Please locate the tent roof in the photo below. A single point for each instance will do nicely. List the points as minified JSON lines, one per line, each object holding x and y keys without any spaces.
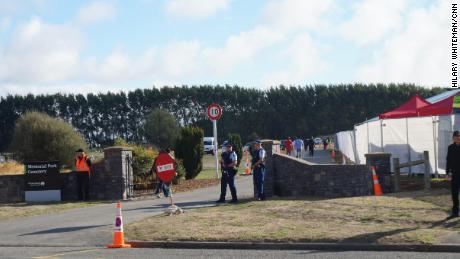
{"x":442,"y":96}
{"x":439,"y":108}
{"x":407,"y":109}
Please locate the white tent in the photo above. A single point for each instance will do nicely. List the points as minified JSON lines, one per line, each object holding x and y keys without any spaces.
{"x":405,"y":138}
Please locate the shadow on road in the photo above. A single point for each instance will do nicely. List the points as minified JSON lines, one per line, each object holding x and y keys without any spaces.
{"x":63,"y":230}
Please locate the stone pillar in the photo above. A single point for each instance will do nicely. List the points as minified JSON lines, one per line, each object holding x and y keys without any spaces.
{"x":383,"y":169}
{"x":271,"y":147}
{"x":113,"y":182}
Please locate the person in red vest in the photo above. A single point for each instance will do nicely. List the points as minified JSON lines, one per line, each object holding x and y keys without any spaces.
{"x":289,"y":146}
{"x":83,"y":169}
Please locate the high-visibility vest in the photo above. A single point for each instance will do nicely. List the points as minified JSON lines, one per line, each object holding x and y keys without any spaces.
{"x":81,"y":165}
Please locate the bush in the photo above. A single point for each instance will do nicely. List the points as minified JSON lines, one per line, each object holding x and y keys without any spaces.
{"x":142,"y":160}
{"x":235,"y":140}
{"x":39,"y":137}
{"x":180,"y":170}
{"x":189,"y":148}
{"x":161,"y":129}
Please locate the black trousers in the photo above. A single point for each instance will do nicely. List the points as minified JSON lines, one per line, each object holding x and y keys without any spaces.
{"x":228,"y":178}
{"x":455,"y":186}
{"x":83,"y":186}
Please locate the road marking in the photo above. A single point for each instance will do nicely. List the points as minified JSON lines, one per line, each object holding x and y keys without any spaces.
{"x":67,"y":253}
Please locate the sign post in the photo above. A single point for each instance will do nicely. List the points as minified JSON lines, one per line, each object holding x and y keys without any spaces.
{"x":214,"y":112}
{"x":42,"y":182}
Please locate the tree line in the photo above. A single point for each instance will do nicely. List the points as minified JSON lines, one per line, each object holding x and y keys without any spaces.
{"x":273,"y":113}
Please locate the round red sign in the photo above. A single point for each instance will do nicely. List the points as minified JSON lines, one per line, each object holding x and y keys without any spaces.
{"x":164,"y":165}
{"x":214,"y":111}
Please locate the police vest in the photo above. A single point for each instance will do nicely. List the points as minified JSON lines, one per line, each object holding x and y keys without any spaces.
{"x":81,"y":164}
{"x":226,"y":157}
{"x":256,"y":157}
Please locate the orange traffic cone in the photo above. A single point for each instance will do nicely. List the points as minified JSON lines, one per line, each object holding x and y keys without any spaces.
{"x":247,"y":169}
{"x":118,"y":236}
{"x":375,"y":179}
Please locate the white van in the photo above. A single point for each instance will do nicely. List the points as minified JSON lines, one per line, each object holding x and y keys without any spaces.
{"x":208,"y":145}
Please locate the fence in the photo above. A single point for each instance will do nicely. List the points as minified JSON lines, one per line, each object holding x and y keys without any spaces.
{"x":404,"y":138}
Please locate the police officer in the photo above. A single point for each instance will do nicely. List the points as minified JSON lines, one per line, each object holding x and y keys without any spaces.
{"x":453,"y":171}
{"x":83,"y":169}
{"x":258,"y":167}
{"x":228,"y":165}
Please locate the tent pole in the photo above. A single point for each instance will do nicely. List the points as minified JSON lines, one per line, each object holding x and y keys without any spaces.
{"x":368,"y":142}
{"x":381,"y":135}
{"x":435,"y":147}
{"x":408,"y":144}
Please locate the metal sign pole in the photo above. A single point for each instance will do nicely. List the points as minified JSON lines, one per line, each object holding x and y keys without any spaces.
{"x":171,"y":193}
{"x":216,"y":156}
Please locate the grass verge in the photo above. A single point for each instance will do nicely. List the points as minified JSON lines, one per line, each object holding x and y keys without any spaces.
{"x":19,"y":210}
{"x":408,"y":218}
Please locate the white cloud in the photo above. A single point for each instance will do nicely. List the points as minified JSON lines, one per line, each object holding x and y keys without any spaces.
{"x":373,"y":20}
{"x":419,"y":54}
{"x":241,"y":48}
{"x":75,"y":88}
{"x":195,"y":9}
{"x":302,"y":58}
{"x":293,"y":15}
{"x":96,"y":12}
{"x":41,"y":52}
{"x":5,"y":23}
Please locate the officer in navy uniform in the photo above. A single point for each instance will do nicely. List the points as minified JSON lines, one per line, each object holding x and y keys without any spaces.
{"x":258,"y":167}
{"x":453,"y":171}
{"x":228,"y":165}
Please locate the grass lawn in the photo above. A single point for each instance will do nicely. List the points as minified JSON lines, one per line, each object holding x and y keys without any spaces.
{"x":415,"y":218}
{"x":16,"y":210}
{"x":209,"y":172}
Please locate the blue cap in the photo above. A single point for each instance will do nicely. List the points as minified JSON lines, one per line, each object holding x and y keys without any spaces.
{"x":258,"y":142}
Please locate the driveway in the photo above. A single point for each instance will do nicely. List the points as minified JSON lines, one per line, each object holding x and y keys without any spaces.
{"x":92,"y":226}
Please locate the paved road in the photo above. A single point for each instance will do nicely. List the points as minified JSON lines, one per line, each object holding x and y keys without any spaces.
{"x":92,"y":226}
{"x":42,"y":253}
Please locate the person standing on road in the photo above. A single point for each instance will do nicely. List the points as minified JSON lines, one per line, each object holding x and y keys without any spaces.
{"x":161,"y":186}
{"x":258,"y":167}
{"x":298,"y":145}
{"x":311,"y":146}
{"x":453,"y":171}
{"x":325,"y":142}
{"x":83,"y":168}
{"x":289,"y":146}
{"x":228,"y":164}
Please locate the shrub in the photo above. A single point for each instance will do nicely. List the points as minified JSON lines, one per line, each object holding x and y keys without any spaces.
{"x":161,"y":129}
{"x":235,"y":140}
{"x":189,"y":148}
{"x":180,"y":170}
{"x":40,"y":137}
{"x":142,"y":160}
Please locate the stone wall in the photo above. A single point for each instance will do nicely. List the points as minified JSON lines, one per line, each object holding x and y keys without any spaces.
{"x":110,"y":179}
{"x":382,"y":164}
{"x":12,"y":188}
{"x":289,"y":176}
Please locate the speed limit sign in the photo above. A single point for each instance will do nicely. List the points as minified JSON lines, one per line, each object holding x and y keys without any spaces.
{"x":214,"y":112}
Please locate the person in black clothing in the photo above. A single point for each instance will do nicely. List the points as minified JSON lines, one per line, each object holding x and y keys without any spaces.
{"x":453,"y":171}
{"x":228,"y":165}
{"x":311,"y":146}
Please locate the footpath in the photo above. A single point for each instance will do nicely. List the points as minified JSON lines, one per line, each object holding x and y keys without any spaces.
{"x":321,"y":157}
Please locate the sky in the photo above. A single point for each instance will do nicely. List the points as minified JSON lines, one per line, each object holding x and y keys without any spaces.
{"x":49,"y":46}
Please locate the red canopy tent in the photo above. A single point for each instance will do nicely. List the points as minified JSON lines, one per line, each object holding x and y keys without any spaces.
{"x":408,"y":109}
{"x":440,"y":108}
